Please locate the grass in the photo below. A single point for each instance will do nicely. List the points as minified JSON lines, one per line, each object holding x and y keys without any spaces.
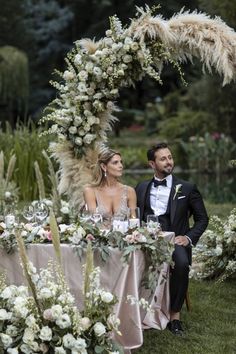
{"x":210,"y":327}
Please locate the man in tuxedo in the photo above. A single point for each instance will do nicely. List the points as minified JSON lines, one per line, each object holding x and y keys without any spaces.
{"x":174,"y":201}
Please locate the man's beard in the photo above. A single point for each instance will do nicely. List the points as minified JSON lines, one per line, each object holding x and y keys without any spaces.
{"x":166,"y":172}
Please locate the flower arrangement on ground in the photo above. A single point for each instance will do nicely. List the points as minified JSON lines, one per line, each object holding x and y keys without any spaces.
{"x":48,"y":320}
{"x":215,"y":254}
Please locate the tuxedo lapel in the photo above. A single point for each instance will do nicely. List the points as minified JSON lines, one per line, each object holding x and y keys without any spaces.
{"x":173,"y":201}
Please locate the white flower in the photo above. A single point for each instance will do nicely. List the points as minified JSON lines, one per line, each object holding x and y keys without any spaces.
{"x":77,"y":235}
{"x":68,"y":75}
{"x":45,"y":293}
{"x":108,"y":33}
{"x":97,"y":71}
{"x":65,"y":210}
{"x":177,"y":190}
{"x":85,"y":323}
{"x":77,"y":121}
{"x":47,"y":314}
{"x":8,"y":292}
{"x":30,"y":321}
{"x":59,"y":350}
{"x":7,"y":194}
{"x":56,"y":311}
{"x":25,"y":349}
{"x":45,"y":333}
{"x":99,"y":329}
{"x":78,"y":141}
{"x":91,"y":120}
{"x":127,"y":58}
{"x":81,"y":132}
{"x":83,"y":75}
{"x":68,"y":341}
{"x":80,"y":344}
{"x":28,"y":336}
{"x":78,"y":59}
{"x":134,"y":46}
{"x":82,"y":87}
{"x":4,"y":315}
{"x":89,"y":67}
{"x":12,"y":330}
{"x":218,"y":251}
{"x":63,"y":321}
{"x":72,"y":130}
{"x":88,"y":138}
{"x":6,"y":340}
{"x":106,"y":297}
{"x":12,"y":351}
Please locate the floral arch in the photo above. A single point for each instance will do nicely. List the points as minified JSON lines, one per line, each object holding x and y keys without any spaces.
{"x":82,"y":112}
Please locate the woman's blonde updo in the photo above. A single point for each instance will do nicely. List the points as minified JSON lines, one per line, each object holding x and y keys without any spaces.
{"x":103,"y":158}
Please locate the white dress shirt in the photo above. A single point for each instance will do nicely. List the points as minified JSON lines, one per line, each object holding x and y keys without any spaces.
{"x":159,"y":196}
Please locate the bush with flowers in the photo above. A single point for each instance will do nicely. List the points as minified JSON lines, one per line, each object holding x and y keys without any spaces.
{"x":215,"y":254}
{"x":48,"y":320}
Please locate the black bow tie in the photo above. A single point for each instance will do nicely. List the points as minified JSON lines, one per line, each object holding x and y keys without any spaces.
{"x":159,"y":183}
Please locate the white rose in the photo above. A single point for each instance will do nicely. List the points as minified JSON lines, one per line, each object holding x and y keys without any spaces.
{"x":45,"y":293}
{"x":78,"y":141}
{"x":114,"y":92}
{"x":128,"y":40}
{"x":82,"y":87}
{"x":134,"y":46}
{"x":77,"y":121}
{"x":28,"y":336}
{"x":56,"y":311}
{"x":80,"y":344}
{"x":85,"y":323}
{"x":90,"y":91}
{"x":4,"y":315}
{"x":108,"y":33}
{"x":45,"y":333}
{"x":65,"y":210}
{"x":6,"y":340}
{"x":86,"y":127}
{"x":12,"y":330}
{"x":106,"y":297}
{"x":83,"y":75}
{"x":72,"y":130}
{"x":218,"y":251}
{"x":47,"y":314}
{"x":12,"y":351}
{"x":60,"y":350}
{"x":81,"y":132}
{"x":99,"y":329}
{"x":88,"y":138}
{"x":8,"y":292}
{"x":63,"y":321}
{"x":68,"y":75}
{"x":68,"y":341}
{"x":78,"y":59}
{"x":127,"y":58}
{"x":97,"y":71}
{"x":89,"y":67}
{"x":25,"y":349}
{"x":91,"y":120}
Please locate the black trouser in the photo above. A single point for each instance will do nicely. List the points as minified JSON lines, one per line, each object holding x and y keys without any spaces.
{"x":179,"y":278}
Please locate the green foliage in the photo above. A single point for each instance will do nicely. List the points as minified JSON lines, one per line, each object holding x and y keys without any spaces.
{"x":210,"y":326}
{"x":27,"y":146}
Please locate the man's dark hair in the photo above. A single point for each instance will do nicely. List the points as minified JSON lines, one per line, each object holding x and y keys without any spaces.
{"x":151,"y":152}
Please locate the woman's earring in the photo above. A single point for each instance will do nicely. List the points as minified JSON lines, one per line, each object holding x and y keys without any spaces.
{"x":105,"y":174}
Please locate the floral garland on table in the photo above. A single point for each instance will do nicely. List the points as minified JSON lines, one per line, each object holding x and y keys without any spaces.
{"x":157,"y":249}
{"x":215,"y":254}
{"x":55,"y":325}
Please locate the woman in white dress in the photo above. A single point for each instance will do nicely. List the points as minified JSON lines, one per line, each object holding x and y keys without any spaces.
{"x":106,"y":194}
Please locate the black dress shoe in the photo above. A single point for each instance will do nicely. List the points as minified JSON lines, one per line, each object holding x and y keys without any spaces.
{"x":175,"y":327}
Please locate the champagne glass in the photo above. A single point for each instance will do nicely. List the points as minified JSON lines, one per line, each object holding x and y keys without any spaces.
{"x":41,"y":211}
{"x":29,"y":212}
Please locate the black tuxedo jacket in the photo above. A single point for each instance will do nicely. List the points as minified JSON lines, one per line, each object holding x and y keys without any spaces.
{"x":182,"y":205}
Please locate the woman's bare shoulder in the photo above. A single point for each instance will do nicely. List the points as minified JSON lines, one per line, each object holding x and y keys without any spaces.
{"x":88,"y":189}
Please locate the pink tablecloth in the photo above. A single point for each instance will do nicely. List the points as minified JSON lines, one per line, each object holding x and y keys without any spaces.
{"x":121,"y":279}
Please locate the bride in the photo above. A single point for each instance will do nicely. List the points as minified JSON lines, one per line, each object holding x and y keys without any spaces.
{"x":106,"y":195}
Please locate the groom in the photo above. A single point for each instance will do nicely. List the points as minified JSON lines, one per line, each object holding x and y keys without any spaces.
{"x":174,"y":201}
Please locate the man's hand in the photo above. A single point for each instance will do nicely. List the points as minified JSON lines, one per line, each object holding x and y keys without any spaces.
{"x":181,"y":240}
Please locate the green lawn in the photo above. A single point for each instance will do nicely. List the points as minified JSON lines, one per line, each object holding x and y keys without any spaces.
{"x":210,"y":326}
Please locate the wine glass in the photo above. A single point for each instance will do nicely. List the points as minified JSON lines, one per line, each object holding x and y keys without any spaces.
{"x":41,"y":211}
{"x":29,"y":212}
{"x":152,"y":223}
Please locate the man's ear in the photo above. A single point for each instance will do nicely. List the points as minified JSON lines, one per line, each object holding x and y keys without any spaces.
{"x":151,"y":164}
